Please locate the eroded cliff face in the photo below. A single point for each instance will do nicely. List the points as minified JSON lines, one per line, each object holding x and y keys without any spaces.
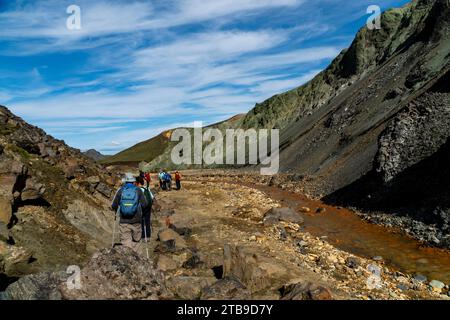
{"x":53,"y":201}
{"x":372,"y":129}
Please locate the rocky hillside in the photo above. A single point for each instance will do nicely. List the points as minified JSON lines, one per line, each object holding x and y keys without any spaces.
{"x":53,"y":202}
{"x":372,"y":129}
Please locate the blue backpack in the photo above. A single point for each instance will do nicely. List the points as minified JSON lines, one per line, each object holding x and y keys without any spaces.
{"x":129,"y":202}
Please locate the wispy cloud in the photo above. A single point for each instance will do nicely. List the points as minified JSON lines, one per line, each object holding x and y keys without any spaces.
{"x":139,"y":67}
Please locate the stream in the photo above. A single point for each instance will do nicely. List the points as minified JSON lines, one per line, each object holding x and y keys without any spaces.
{"x":348,"y":232}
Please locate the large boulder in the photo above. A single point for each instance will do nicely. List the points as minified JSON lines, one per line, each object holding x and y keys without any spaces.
{"x":170,"y":237}
{"x":305,"y":291}
{"x":189,"y":288}
{"x":33,"y":190}
{"x":255,"y":271}
{"x":229,"y":288}
{"x":180,"y":224}
{"x":118,"y":274}
{"x":40,"y":286}
{"x":17,"y":261}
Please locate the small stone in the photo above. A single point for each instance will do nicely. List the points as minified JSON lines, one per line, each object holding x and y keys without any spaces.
{"x":420,"y":278}
{"x":377,"y":258}
{"x":352,"y":262}
{"x":437,"y":286}
{"x":402,"y":287}
{"x":305,"y":210}
{"x":253,"y":238}
{"x":321,"y":210}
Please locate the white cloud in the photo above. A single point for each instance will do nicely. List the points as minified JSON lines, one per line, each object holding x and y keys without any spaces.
{"x":147,"y":71}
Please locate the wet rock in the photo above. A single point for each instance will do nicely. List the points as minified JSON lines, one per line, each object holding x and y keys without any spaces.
{"x":189,"y":288}
{"x":437,"y":286}
{"x":321,"y":210}
{"x":228,"y":288}
{"x":41,"y":286}
{"x":305,"y":291}
{"x":282,"y":214}
{"x":118,"y":274}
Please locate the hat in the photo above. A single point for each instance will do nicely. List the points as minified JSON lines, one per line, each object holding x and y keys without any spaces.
{"x":129,"y":177}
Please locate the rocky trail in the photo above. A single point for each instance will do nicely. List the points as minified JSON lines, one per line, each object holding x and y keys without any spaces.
{"x":227,"y":231}
{"x":218,"y":239}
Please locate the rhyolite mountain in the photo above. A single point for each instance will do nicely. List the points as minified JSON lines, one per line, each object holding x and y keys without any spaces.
{"x":156,"y":152}
{"x":372,"y":129}
{"x":54,"y":202}
{"x":94,"y":155}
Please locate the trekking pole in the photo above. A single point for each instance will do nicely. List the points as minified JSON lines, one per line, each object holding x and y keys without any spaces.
{"x":114,"y":229}
{"x":146,"y":242}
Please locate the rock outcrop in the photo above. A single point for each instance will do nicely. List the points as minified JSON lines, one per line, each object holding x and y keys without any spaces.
{"x":118,"y":274}
{"x":53,"y":201}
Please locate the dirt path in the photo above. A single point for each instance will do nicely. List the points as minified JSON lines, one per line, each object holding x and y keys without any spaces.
{"x":214,"y":216}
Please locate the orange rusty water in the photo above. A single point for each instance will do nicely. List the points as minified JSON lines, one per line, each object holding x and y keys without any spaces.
{"x":348,"y":232}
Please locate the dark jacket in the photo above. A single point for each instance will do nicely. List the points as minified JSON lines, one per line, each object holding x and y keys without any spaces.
{"x":143,"y":206}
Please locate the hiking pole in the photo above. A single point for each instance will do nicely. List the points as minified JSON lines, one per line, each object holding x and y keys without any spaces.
{"x":114,"y":229}
{"x":146,"y":242}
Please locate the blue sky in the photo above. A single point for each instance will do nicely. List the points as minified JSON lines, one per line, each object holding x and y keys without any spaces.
{"x":137,"y":68}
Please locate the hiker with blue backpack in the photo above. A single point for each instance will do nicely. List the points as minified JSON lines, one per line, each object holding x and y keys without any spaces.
{"x":129,"y":204}
{"x":168,"y":181}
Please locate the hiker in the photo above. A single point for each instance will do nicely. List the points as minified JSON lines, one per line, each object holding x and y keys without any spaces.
{"x":146,"y":212}
{"x":168,"y":181}
{"x":129,"y":202}
{"x":147,"y":179}
{"x":162,"y":181}
{"x":178,"y":180}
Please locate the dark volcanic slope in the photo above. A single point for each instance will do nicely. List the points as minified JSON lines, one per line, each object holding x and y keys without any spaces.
{"x":373,"y":128}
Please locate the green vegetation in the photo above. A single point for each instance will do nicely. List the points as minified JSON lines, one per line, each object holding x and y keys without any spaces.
{"x":22,"y":152}
{"x":144,"y":151}
{"x":7,"y":130}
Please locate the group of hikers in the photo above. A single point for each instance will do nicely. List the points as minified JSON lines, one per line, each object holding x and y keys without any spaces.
{"x":133,"y":206}
{"x":165,"y":180}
